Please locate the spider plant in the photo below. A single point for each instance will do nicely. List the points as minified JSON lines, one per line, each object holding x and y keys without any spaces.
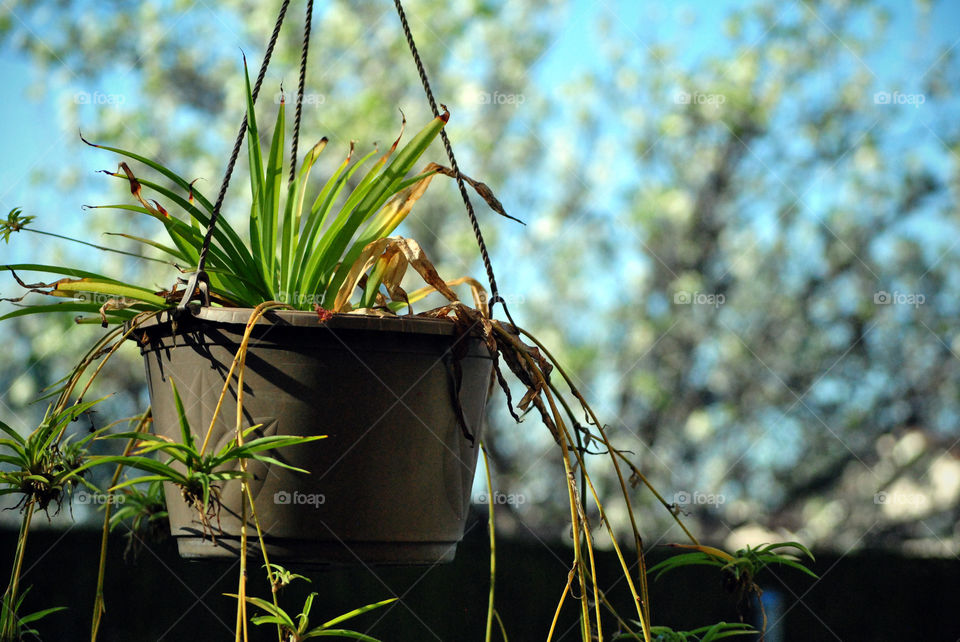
{"x":43,"y":467}
{"x":199,"y":475}
{"x":297,"y":628}
{"x":742,"y":566}
{"x":739,"y":570}
{"x":15,"y":627}
{"x":45,"y":463}
{"x":298,"y":251}
{"x":143,"y":511}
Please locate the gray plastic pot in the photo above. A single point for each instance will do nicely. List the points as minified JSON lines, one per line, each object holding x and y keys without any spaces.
{"x":391,"y":482}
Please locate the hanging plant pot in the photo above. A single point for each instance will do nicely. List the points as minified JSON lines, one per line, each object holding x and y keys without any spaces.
{"x":391,"y":481}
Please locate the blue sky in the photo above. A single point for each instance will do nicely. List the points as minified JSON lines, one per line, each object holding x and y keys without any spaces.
{"x":29,"y":115}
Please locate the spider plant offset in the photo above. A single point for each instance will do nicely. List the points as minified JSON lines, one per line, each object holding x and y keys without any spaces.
{"x":199,"y":475}
{"x":44,"y":466}
{"x":297,"y":628}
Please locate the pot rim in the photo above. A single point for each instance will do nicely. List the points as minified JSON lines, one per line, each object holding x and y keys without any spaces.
{"x":306,"y":320}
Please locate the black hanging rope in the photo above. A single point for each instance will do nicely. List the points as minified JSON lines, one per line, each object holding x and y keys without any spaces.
{"x":199,"y":278}
{"x":494,"y":292}
{"x":303,"y":80}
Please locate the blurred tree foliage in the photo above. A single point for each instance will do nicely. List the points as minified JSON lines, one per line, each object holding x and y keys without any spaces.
{"x":779,"y":314}
{"x":724,"y":244}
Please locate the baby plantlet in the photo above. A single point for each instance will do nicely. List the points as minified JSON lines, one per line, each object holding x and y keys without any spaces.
{"x":44,"y":466}
{"x":738,"y":571}
{"x":297,"y":628}
{"x":199,"y":476}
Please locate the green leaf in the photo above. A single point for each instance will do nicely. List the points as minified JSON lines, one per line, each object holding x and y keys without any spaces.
{"x":185,"y":433}
{"x":339,"y":633}
{"x":111,"y":289}
{"x":33,"y":617}
{"x":312,"y":263}
{"x":385,"y":186}
{"x":360,"y":611}
{"x":292,"y":216}
{"x":270,"y":202}
{"x":174,"y":252}
{"x":13,"y":433}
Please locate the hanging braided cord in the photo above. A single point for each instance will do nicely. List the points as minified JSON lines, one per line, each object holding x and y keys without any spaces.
{"x":421,"y":71}
{"x":488,"y":266}
{"x":215,"y":215}
{"x":303,"y":80}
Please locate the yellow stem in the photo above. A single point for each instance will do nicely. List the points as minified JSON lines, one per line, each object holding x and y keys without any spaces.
{"x":99,"y":607}
{"x":493,"y":543}
{"x":239,"y":361}
{"x":563,"y":597}
{"x":255,"y":316}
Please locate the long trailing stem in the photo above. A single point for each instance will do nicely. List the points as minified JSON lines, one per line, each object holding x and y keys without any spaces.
{"x":255,"y":316}
{"x":74,"y":377}
{"x":563,"y":597}
{"x":136,"y":323}
{"x":640,"y":599}
{"x":102,"y":248}
{"x":567,"y":443}
{"x":91,"y":356}
{"x":493,"y":543}
{"x":239,"y":364}
{"x":241,"y":631}
{"x":12,"y":593}
{"x":616,"y":454}
{"x":266,"y":558}
{"x":240,"y":360}
{"x":577,"y":516}
{"x":99,"y":607}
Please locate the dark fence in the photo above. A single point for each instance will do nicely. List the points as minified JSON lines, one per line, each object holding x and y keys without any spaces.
{"x":158,"y":596}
